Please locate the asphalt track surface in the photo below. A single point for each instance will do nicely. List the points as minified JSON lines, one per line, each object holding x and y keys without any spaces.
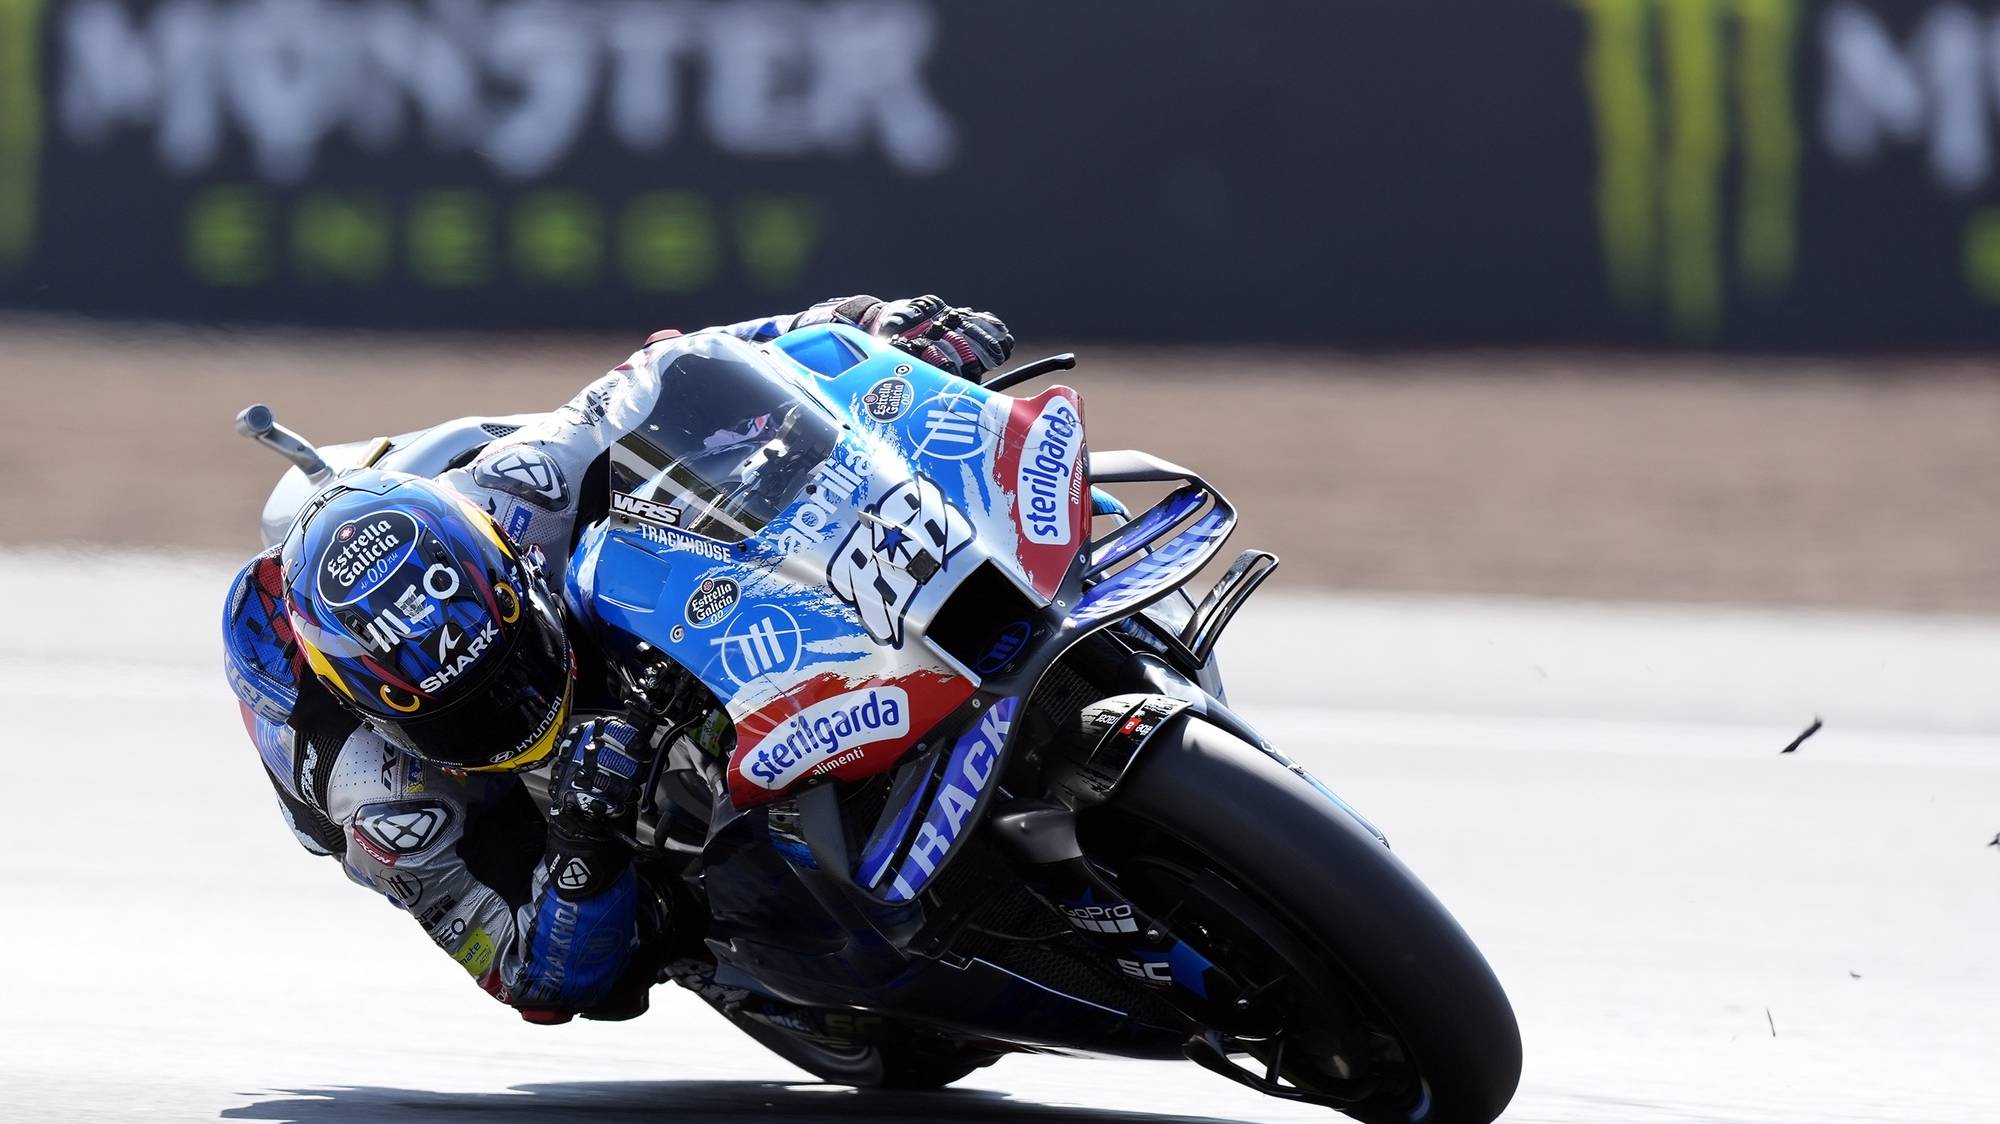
{"x":1692,"y":926}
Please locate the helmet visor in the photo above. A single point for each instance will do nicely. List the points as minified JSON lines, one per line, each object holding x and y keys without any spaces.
{"x":509,"y":720}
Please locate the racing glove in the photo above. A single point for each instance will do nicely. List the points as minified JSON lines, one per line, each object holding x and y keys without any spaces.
{"x":594,"y":806}
{"x":966,"y":343}
{"x":586,"y":923}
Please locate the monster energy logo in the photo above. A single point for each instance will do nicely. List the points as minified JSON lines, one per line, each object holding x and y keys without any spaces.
{"x":1673,"y":84}
{"x":20,"y":126}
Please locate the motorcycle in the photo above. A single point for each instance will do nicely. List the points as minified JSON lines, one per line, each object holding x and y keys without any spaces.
{"x":974,"y":787}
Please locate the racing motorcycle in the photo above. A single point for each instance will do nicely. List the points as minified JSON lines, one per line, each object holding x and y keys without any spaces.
{"x":975,"y":788}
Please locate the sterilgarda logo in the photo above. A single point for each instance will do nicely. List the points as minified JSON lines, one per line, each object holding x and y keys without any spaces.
{"x":362,"y":555}
{"x":1660,"y":76}
{"x":827,"y":735}
{"x":20,"y":128}
{"x":712,"y":601}
{"x":1048,"y":473}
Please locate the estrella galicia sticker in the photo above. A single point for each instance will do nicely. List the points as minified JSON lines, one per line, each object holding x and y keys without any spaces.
{"x":392,"y":830}
{"x":362,"y":554}
{"x":712,"y":600}
{"x":887,"y":399}
{"x":526,"y":472}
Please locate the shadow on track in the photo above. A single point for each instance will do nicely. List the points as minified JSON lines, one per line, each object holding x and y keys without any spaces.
{"x":673,"y":1102}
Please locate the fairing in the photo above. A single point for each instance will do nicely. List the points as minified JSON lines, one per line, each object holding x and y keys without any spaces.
{"x":813,"y":629}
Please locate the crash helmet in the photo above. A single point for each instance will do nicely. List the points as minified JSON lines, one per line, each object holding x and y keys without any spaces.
{"x":420,"y":618}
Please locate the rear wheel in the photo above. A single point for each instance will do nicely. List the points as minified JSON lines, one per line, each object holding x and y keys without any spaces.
{"x":1360,"y":989}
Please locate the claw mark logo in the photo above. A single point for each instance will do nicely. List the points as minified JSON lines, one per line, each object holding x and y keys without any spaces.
{"x":1661,"y":76}
{"x":20,"y":127}
{"x":899,"y":544}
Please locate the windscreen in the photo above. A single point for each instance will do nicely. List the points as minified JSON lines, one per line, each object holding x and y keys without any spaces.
{"x":730,"y":443}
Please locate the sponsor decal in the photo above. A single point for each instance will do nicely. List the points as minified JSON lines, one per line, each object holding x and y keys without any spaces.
{"x":406,"y":888}
{"x":457,"y":650}
{"x":898,"y":545}
{"x":950,"y":427}
{"x":371,"y":848}
{"x":414,"y":606}
{"x":517,"y":522}
{"x":643,"y":510}
{"x":687,"y":541}
{"x":476,"y":954}
{"x":1102,"y":918}
{"x":398,"y":829}
{"x":766,"y":642}
{"x":1047,"y":478}
{"x":886,"y":400}
{"x":390,"y":627}
{"x":966,"y":775}
{"x":820,"y":737}
{"x":1151,"y":971}
{"x":433,"y":918}
{"x":534,"y":735}
{"x":834,"y":485}
{"x":362,"y":555}
{"x":711,"y":601}
{"x":525,"y":472}
{"x":1013,"y":640}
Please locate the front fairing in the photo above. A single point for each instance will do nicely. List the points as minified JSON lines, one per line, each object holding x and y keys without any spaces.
{"x":815,"y":629}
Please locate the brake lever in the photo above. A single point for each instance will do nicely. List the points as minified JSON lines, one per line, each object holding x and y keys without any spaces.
{"x":1018,"y":375}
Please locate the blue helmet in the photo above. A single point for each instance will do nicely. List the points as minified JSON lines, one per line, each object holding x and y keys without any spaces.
{"x":413,"y":609}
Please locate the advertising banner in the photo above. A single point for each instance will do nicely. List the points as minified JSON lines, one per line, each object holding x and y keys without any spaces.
{"x":1740,"y":173}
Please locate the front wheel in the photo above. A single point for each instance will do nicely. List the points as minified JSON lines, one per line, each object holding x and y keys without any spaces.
{"x":1364,"y":993}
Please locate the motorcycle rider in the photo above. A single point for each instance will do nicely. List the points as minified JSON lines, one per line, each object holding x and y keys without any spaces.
{"x":401,"y":659}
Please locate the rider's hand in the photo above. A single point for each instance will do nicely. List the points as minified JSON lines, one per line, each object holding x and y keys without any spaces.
{"x":964,"y":342}
{"x":959,"y":340}
{"x":596,"y":790}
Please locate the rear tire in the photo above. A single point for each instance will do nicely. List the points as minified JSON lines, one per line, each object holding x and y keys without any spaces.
{"x":1394,"y":950}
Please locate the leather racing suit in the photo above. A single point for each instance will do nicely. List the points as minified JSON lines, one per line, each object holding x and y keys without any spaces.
{"x":466,"y":854}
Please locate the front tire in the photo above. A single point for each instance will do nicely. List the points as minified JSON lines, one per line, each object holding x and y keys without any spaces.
{"x":1203,"y":806}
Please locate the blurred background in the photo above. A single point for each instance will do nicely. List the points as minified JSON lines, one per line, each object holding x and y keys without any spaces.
{"x":1615,"y":298}
{"x":1615,"y":377}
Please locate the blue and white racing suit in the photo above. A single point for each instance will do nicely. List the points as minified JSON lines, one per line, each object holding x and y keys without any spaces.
{"x":465,"y":854}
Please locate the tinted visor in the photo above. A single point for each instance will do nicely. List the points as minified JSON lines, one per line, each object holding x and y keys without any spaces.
{"x":508,"y":720}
